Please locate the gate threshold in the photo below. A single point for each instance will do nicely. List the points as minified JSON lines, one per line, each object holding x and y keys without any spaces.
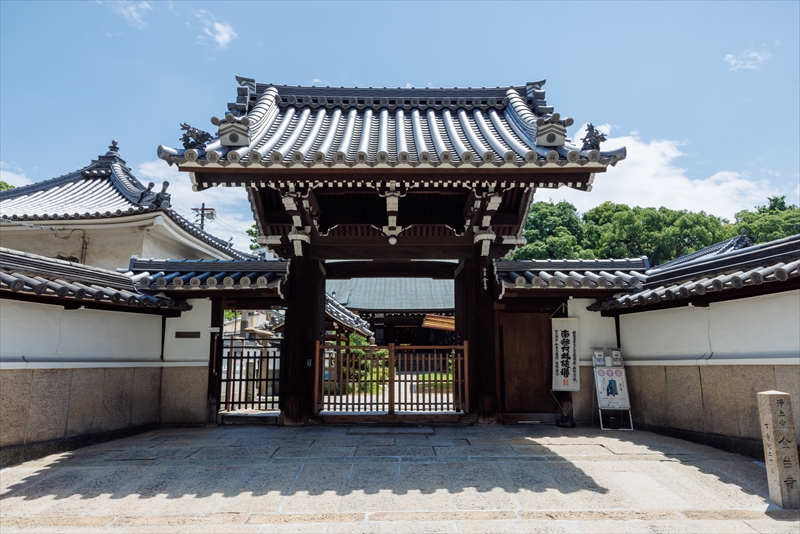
{"x":338,"y":418}
{"x":249,"y":418}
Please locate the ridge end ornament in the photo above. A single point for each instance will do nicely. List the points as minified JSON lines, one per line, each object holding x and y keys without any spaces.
{"x":593,"y":138}
{"x":194,"y":137}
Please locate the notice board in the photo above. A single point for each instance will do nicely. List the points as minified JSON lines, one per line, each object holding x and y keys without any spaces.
{"x":612,"y":388}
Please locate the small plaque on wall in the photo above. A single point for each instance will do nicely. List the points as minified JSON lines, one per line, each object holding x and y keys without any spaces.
{"x":566,"y":368}
{"x":187,"y":335}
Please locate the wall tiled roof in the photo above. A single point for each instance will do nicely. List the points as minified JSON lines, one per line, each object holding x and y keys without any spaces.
{"x":154,"y":274}
{"x":720,"y":268}
{"x":21,"y":272}
{"x":572,"y":274}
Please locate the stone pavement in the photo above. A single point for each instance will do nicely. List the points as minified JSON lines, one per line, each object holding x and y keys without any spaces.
{"x":515,"y":478}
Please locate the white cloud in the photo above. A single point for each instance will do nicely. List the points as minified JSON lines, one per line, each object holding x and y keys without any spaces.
{"x":749,"y":59}
{"x":133,"y":12}
{"x":650,"y":178}
{"x":14,"y":175}
{"x":233,"y":208}
{"x":221,"y":32}
{"x":319,"y":81}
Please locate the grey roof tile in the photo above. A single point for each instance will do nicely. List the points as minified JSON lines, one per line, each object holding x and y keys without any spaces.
{"x":324,"y":126}
{"x":572,"y":274}
{"x":22,"y":272}
{"x":105,"y":188}
{"x":397,"y":294}
{"x":338,"y":313}
{"x":729,"y":265}
{"x":160,"y":275}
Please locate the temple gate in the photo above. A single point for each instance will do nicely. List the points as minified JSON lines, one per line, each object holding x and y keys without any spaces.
{"x":387,"y":182}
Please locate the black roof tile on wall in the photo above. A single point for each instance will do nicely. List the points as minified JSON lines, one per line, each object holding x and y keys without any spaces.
{"x":22,"y":272}
{"x":727,"y":266}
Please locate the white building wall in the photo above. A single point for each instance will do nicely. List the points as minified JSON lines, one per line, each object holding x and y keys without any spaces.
{"x":757,"y":330}
{"x":32,"y":332}
{"x":189,"y":350}
{"x":595,"y":330}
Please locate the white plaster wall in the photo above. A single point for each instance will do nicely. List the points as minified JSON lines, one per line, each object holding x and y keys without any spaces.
{"x":44,"y":332}
{"x":198,"y":319}
{"x":156,"y":246}
{"x":677,"y":333}
{"x":595,"y":330}
{"x":108,"y":249}
{"x":764,"y":329}
{"x":765,"y":326}
{"x":112,"y":249}
{"x":41,"y":242}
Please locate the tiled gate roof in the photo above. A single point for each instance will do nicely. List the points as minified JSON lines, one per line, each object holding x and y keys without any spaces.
{"x":279,"y":125}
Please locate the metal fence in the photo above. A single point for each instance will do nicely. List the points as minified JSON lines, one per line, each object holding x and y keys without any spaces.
{"x":392,"y":379}
{"x":249,"y":377}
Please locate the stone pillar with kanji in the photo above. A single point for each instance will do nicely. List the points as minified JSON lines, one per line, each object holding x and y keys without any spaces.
{"x":780,"y":448}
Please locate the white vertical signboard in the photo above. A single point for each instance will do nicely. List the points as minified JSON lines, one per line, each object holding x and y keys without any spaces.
{"x":566,"y":369}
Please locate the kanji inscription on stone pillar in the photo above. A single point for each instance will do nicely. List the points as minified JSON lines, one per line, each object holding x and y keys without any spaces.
{"x":780,"y":448}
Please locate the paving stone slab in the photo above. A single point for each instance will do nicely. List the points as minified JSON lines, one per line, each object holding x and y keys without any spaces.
{"x":390,"y":430}
{"x":395,"y":451}
{"x":514,"y":478}
{"x":315,"y":452}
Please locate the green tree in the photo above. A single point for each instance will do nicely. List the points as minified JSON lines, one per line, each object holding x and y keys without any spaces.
{"x":773,"y":221}
{"x":253,"y":233}
{"x":5,"y":186}
{"x":552,"y":231}
{"x":661,"y":234}
{"x":231,"y":314}
{"x":557,"y":231}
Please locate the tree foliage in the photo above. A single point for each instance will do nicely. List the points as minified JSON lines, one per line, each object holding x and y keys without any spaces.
{"x":231,"y":314}
{"x":773,"y":221}
{"x":253,"y":233}
{"x":5,"y":185}
{"x":558,"y":231}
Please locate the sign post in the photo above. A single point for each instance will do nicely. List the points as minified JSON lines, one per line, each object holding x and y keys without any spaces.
{"x":780,"y":448}
{"x":611,"y":385}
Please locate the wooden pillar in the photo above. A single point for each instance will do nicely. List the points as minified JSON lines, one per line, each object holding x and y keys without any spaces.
{"x":475,"y":322}
{"x":305,"y":323}
{"x":215,"y":360}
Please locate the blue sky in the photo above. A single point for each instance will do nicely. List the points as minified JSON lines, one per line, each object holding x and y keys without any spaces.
{"x":706,"y":96}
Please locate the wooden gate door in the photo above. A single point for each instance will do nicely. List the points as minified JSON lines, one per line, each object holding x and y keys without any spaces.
{"x":525,"y":361}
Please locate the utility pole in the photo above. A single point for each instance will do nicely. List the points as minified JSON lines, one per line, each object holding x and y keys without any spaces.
{"x":205,"y":213}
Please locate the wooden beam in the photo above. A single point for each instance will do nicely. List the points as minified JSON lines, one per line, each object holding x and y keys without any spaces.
{"x":257,"y":173}
{"x":358,"y":249}
{"x":248,"y":302}
{"x":346,"y":270}
{"x":251,"y":294}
